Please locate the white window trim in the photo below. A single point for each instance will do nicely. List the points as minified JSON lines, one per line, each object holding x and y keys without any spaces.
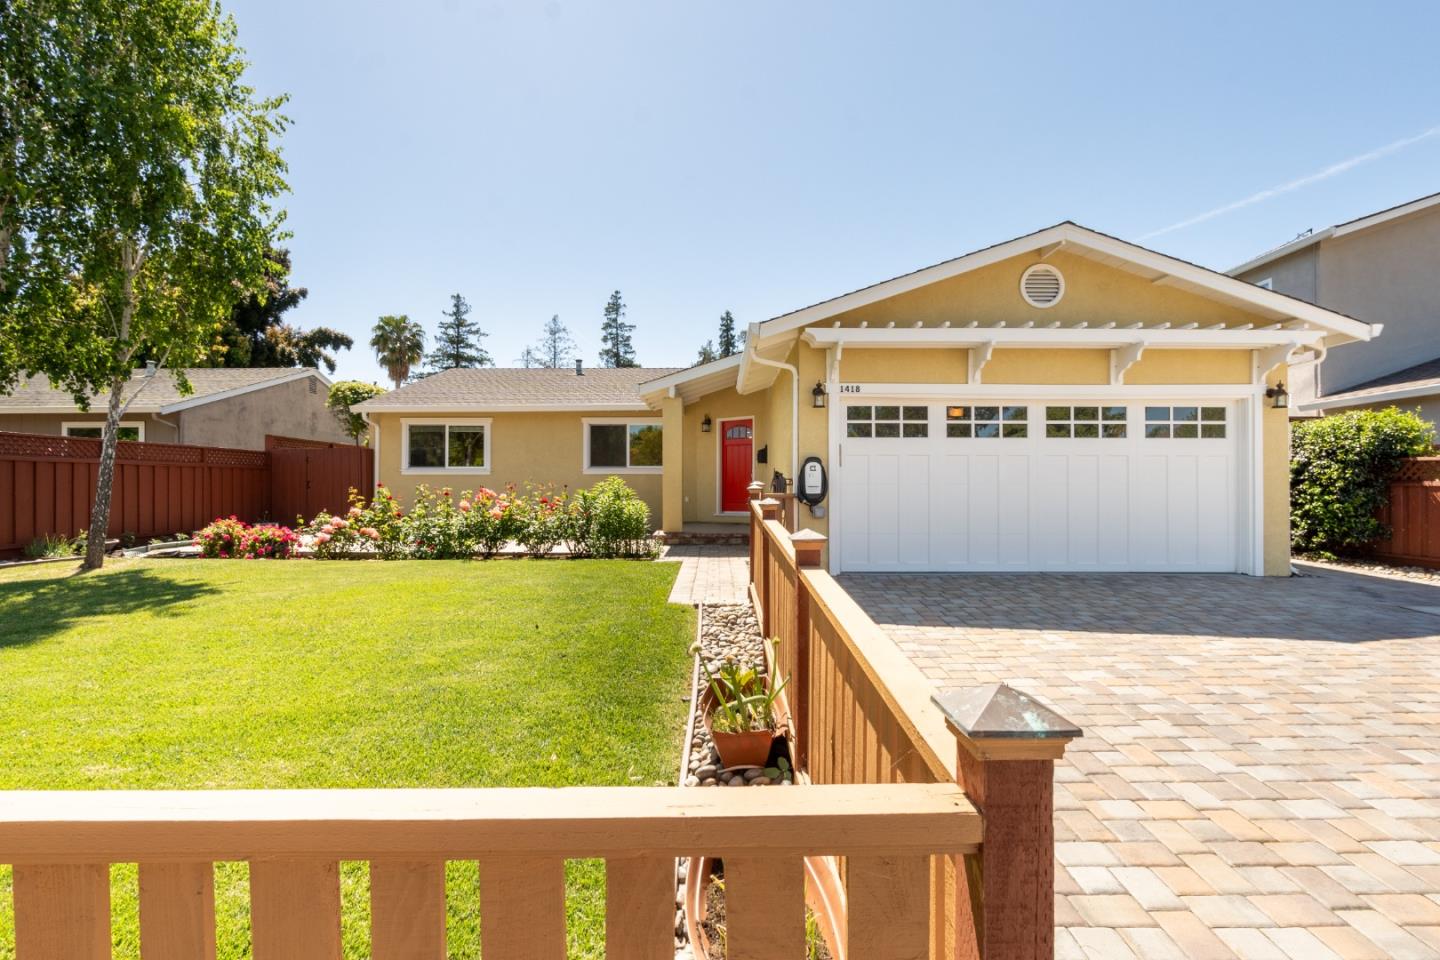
{"x":92,"y":424}
{"x":587,"y":422}
{"x":406,"y":424}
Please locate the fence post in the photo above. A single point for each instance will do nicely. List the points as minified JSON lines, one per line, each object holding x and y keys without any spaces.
{"x":1008,"y":745}
{"x":757,"y":490}
{"x":808,"y":545}
{"x":769,"y":510}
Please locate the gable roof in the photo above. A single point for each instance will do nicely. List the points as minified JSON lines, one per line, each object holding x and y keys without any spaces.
{"x":501,"y":389}
{"x":1338,"y":230}
{"x":160,"y":394}
{"x":1075,"y":239}
{"x":1421,"y":380}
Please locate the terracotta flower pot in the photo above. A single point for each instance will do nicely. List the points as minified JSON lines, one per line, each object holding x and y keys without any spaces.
{"x":751,"y":749}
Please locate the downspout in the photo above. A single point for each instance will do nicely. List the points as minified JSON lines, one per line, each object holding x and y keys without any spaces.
{"x":794,"y":406}
{"x":174,"y":426}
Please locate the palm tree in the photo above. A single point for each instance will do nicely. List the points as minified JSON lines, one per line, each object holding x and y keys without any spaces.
{"x":399,"y":343}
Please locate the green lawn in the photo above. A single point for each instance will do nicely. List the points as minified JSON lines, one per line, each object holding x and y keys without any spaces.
{"x":244,"y":674}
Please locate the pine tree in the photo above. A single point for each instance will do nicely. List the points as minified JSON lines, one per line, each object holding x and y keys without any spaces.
{"x":707,"y":352}
{"x":530,"y":357}
{"x":457,"y":343}
{"x":729,"y":346}
{"x":616,"y":348}
{"x":557,"y":348}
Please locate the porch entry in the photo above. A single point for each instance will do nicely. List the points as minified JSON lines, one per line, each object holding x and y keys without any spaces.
{"x":736,"y":459}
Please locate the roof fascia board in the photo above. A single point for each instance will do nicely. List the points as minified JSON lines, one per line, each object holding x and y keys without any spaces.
{"x":1380,"y":396}
{"x":1384,"y":216}
{"x":1029,"y":337}
{"x":441,"y":409}
{"x":681,"y":377}
{"x":290,"y":377}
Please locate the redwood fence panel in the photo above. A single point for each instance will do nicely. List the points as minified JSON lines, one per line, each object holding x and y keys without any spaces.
{"x":47,"y":486}
{"x":307,"y":480}
{"x":1413,"y":515}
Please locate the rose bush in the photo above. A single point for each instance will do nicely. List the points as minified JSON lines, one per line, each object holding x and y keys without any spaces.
{"x":268,"y":541}
{"x":221,"y":538}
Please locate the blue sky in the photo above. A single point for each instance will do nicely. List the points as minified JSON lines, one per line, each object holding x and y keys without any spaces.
{"x":758,"y":157}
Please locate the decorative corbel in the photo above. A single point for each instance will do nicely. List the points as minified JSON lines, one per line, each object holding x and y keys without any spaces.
{"x":979,"y":356}
{"x":1270,"y":358}
{"x":1123,"y":358}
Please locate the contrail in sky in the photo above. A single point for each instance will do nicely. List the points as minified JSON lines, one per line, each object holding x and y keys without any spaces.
{"x":1334,"y":170}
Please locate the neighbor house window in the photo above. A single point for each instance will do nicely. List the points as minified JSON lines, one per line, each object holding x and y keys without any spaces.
{"x":433,"y":446}
{"x":981,"y":423}
{"x":1085,"y":423}
{"x":129,"y":430}
{"x":1185,"y":423}
{"x":621,"y":446}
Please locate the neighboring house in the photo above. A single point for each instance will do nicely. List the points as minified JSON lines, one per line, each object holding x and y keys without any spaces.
{"x":227,"y":408}
{"x":495,"y":426}
{"x":1384,"y":269}
{"x":1062,"y":401}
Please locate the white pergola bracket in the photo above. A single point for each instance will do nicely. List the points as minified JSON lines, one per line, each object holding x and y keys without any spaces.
{"x":980,"y":355}
{"x":1271,"y":357}
{"x":1123,"y":358}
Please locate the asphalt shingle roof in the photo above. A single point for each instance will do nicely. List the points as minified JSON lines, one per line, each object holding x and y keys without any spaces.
{"x":36,"y":393}
{"x":1421,"y":375}
{"x":522,"y":386}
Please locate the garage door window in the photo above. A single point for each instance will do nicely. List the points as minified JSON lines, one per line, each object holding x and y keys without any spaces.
{"x":1085,"y":423}
{"x":987,"y":422}
{"x":1185,"y":423}
{"x":886,"y":421}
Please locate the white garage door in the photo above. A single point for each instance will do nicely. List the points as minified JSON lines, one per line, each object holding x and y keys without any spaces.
{"x":1038,"y":485}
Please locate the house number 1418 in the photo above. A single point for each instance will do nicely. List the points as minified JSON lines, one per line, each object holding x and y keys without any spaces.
{"x":849,"y":388}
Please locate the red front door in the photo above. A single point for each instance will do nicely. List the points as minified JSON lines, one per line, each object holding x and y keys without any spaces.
{"x":735,"y":461}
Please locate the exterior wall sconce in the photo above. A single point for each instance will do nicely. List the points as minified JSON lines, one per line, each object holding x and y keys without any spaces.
{"x":1278,"y":395}
{"x":818,"y":395}
{"x":705,"y":424}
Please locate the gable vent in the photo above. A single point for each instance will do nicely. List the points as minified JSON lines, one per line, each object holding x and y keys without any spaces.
{"x":1042,"y":285}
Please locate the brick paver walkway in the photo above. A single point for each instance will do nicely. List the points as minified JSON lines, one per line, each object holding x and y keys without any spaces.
{"x":709,"y":573}
{"x":1260,"y":772}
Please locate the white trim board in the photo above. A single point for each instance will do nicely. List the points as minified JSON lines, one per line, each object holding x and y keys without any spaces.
{"x":407,"y":470}
{"x":587,"y":422}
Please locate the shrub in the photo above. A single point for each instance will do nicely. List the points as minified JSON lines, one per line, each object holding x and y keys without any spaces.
{"x":222,"y":538}
{"x":609,"y":520}
{"x":268,"y":541}
{"x":488,"y":520}
{"x":1340,"y":472}
{"x":541,"y":520}
{"x":434,"y":528}
{"x":51,"y":546}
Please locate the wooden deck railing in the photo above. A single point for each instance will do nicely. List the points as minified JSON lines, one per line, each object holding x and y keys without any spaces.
{"x":62,"y":843}
{"x":859,"y":711}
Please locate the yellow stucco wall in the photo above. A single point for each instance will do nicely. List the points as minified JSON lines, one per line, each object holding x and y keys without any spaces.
{"x":542,"y":448}
{"x":905,"y":366}
{"x":701,"y":485}
{"x":1094,"y":294}
{"x":1191,"y":366}
{"x":1038,"y":365}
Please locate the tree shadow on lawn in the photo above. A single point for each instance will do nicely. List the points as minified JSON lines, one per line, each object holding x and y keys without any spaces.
{"x":34,"y":610}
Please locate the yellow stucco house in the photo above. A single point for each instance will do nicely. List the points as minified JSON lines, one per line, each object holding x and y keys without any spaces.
{"x":1064,"y":401}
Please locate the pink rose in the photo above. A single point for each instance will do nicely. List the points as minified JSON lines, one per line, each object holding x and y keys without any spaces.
{"x":355,"y":511}
{"x":496,"y":514}
{"x":340,"y":523}
{"x":370,"y":532}
{"x":322,"y":537}
{"x":464,"y":506}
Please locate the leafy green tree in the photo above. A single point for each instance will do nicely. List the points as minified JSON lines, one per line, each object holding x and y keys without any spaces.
{"x":345,"y":394}
{"x":729,"y":345}
{"x":616,"y":347}
{"x":557,"y":347}
{"x":707,"y":352}
{"x":256,"y":334}
{"x":399,"y":344}
{"x":1340,"y":472}
{"x":457,"y":343}
{"x":162,"y":208}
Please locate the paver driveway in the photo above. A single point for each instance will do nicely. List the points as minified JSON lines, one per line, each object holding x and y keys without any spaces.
{"x":1260,"y":771}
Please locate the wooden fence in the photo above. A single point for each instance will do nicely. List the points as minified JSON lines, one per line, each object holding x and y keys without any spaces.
{"x":62,"y":843}
{"x":47,"y":486}
{"x":859,"y":712}
{"x":1413,"y":515}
